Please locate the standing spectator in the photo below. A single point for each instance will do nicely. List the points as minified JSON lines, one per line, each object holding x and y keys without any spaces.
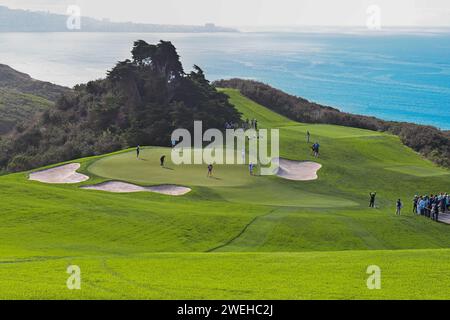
{"x":447,"y":201}
{"x":415,"y":201}
{"x":399,"y":207}
{"x":421,"y":206}
{"x":372,"y":199}
{"x":428,"y":206}
{"x":435,"y":211}
{"x":442,"y":203}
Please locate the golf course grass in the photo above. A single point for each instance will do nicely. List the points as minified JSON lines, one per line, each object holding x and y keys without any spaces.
{"x":234,"y":236}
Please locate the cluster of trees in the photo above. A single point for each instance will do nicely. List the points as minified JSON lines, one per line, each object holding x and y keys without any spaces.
{"x":427,"y":140}
{"x":141,"y":101}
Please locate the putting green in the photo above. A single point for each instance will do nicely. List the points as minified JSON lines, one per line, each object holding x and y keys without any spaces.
{"x":147,"y":170}
{"x":230,"y":182}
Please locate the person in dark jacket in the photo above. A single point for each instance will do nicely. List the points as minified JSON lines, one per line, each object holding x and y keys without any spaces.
{"x":372,"y":199}
{"x":399,"y":207}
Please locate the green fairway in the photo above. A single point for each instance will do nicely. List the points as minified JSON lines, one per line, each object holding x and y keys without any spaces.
{"x":328,"y":275}
{"x":234,"y":236}
{"x":419,"y":171}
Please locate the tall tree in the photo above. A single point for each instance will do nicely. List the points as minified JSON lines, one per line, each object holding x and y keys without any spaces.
{"x":143,"y":52}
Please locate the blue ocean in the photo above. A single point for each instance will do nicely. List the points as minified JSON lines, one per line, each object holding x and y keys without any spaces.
{"x":403,"y":77}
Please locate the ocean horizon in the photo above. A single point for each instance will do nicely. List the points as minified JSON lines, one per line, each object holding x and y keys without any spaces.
{"x":399,"y":77}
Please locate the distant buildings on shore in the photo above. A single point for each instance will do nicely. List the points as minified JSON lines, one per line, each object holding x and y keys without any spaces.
{"x":16,"y":20}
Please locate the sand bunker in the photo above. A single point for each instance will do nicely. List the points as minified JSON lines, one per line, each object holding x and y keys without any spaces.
{"x":123,"y":187}
{"x":62,"y":174}
{"x":297,"y":170}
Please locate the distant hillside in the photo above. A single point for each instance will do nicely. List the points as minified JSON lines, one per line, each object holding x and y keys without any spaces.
{"x":13,"y":20}
{"x":140,"y":102}
{"x":427,"y":140}
{"x":21,"y":82}
{"x":22,"y":97}
{"x":15,"y":107}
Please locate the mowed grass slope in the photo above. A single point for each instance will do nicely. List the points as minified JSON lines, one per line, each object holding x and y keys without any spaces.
{"x":234,"y":236}
{"x":417,"y":274}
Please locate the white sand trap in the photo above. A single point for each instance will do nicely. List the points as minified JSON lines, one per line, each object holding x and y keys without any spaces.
{"x":62,"y":174}
{"x":297,"y":170}
{"x":123,"y":187}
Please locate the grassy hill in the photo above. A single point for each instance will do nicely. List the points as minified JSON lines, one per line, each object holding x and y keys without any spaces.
{"x":16,"y":107}
{"x":22,"y":97}
{"x":236,"y":236}
{"x":21,"y":82}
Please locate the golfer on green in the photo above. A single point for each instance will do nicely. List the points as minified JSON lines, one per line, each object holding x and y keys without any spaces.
{"x":251,"y":166}
{"x":210,"y":169}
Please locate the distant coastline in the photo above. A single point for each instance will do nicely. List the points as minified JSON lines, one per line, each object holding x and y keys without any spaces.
{"x":18,"y":20}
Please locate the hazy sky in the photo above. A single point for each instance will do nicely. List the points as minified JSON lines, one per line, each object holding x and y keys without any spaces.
{"x":254,"y":12}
